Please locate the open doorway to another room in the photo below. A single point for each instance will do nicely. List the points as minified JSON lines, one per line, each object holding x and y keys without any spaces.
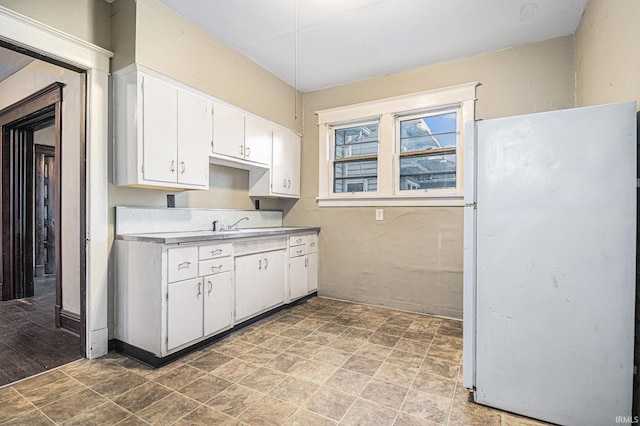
{"x":38,"y":331}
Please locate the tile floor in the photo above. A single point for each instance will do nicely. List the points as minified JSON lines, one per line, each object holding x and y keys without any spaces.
{"x":324,"y":362}
{"x":30,"y":343}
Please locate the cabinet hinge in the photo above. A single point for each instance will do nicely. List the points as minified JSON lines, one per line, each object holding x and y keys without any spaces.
{"x":143,"y":168}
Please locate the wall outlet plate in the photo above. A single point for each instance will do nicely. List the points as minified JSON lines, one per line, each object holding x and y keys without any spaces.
{"x":379,"y":214}
{"x":171,"y":200}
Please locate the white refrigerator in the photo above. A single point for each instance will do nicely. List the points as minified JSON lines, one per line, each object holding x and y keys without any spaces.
{"x":549,"y":264}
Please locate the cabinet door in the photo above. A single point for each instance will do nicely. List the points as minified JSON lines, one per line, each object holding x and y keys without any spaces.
{"x":184,"y":312}
{"x":257,"y":141}
{"x":228,"y":132}
{"x":194,"y":137}
{"x":298,"y":285}
{"x":218,"y":302}
{"x":285,"y":169}
{"x":248,"y":283}
{"x":273,"y":278}
{"x":160,"y":130}
{"x":312,"y":271}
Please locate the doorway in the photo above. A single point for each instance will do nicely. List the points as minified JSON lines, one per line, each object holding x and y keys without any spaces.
{"x":35,"y":335}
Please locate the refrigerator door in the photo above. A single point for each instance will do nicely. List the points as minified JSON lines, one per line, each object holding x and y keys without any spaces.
{"x":555,"y":271}
{"x":469,"y":258}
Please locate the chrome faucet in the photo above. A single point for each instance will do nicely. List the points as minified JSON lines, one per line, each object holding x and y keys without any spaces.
{"x":234,"y":227}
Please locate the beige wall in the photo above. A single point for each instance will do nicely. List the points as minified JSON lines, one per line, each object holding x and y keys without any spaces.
{"x":32,"y":78}
{"x":85,"y":19}
{"x":608,"y":53}
{"x":413,"y":259}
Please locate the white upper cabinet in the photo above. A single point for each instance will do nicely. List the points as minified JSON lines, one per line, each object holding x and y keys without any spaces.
{"x":159,"y":130}
{"x":162,"y":133}
{"x":283,"y":178}
{"x":257,"y":141}
{"x":194,"y":133}
{"x":241,"y":137}
{"x":228,"y":132}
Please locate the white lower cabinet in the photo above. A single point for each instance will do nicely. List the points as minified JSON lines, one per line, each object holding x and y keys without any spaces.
{"x":303,"y":265}
{"x":259,"y":282}
{"x":170,"y":296}
{"x":184,"y":312}
{"x":218,"y":302}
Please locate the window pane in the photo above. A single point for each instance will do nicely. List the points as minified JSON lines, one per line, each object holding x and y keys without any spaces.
{"x":357,"y":141}
{"x":436,"y":131}
{"x":355,"y":176}
{"x":428,"y":172}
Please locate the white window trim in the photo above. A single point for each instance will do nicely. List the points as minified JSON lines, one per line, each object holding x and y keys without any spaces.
{"x":462,"y":96}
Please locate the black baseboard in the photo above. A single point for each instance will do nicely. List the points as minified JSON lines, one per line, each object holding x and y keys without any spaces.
{"x":70,"y":321}
{"x":152,"y":360}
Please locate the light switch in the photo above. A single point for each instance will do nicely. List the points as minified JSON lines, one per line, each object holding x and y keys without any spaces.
{"x":379,"y":214}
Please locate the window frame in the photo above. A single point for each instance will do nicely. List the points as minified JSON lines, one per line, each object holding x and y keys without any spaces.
{"x":387,"y":112}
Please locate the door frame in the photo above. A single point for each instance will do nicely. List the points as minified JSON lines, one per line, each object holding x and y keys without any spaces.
{"x":33,"y":36}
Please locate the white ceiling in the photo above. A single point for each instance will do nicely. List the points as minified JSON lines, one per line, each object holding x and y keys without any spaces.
{"x":342,"y":41}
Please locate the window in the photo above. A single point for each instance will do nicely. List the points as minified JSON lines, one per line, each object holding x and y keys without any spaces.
{"x":406,"y":150}
{"x":355,"y":165}
{"x":427,"y":151}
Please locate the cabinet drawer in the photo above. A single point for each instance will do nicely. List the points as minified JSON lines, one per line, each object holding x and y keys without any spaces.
{"x":182,"y":263}
{"x":214,"y":266}
{"x":213,"y":251}
{"x":297,"y":251}
{"x":297,"y":240}
{"x":312,"y":243}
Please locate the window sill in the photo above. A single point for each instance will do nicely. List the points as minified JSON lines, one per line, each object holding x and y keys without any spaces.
{"x":452,"y":201}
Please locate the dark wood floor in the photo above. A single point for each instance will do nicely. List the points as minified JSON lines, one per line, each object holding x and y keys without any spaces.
{"x":29,"y":341}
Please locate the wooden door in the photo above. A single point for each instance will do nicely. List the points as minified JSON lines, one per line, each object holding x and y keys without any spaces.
{"x":44,"y":210}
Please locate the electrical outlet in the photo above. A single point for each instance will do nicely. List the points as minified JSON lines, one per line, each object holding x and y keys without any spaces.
{"x":379,"y":214}
{"x":171,"y":200}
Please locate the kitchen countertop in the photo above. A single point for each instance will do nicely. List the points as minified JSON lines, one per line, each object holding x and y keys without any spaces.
{"x":204,"y":236}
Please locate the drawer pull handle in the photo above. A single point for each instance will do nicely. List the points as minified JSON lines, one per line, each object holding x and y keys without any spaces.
{"x":299,"y":252}
{"x":216,"y":251}
{"x":216,"y":268}
{"x":299,"y":240}
{"x":312,"y":244}
{"x":184,"y":265}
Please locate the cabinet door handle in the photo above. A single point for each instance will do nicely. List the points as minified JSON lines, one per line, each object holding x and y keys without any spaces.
{"x":284,"y":183}
{"x":216,"y":268}
{"x":182,"y":167}
{"x":173,"y":166}
{"x":260,"y":264}
{"x":242,"y":150}
{"x":199,"y":292}
{"x":247,"y":151}
{"x":289,"y":185}
{"x":210,"y":286}
{"x":306,"y":262}
{"x":184,"y":264}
